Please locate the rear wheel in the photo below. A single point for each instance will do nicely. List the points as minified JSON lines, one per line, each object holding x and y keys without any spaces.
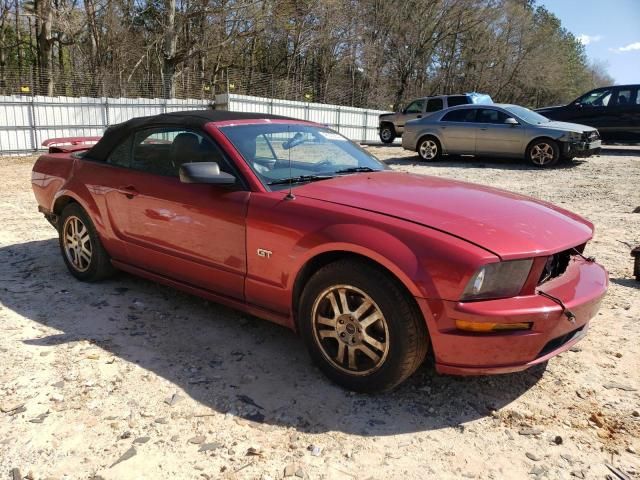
{"x":387,"y":133}
{"x":543,"y":153}
{"x":429,"y":149}
{"x":361,"y":328}
{"x":80,"y":246}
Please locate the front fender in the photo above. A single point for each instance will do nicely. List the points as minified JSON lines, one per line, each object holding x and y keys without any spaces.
{"x":370,"y":242}
{"x":283,"y":237}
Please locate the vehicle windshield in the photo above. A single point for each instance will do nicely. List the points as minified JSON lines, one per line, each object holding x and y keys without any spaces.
{"x":527,"y":115}
{"x":277,"y":152}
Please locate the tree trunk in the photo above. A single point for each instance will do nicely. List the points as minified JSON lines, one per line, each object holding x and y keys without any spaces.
{"x":169,"y":50}
{"x":44,"y":21}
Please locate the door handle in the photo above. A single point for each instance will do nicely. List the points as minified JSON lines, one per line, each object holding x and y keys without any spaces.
{"x":419,"y":116}
{"x":484,"y":128}
{"x":128,"y":191}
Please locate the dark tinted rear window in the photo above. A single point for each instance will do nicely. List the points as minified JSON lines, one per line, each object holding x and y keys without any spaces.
{"x":464,"y":115}
{"x":434,"y":105}
{"x":458,"y":100}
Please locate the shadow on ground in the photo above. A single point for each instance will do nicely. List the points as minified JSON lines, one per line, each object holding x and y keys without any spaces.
{"x":626,"y":282}
{"x":228,"y":361}
{"x":621,"y":149}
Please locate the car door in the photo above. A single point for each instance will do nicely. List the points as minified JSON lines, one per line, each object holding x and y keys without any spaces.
{"x":194,"y":233}
{"x":457,"y":131}
{"x":105,"y":181}
{"x":494,"y":137}
{"x":414,"y":110}
{"x":591,"y":109}
{"x":624,"y":107}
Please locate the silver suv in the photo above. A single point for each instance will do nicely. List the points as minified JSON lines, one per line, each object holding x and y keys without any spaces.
{"x":391,"y":125}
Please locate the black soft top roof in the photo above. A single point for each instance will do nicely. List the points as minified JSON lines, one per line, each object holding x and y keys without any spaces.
{"x":115,"y":134}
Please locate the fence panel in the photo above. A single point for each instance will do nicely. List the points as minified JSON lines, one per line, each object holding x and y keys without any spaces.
{"x":26,"y":121}
{"x":357,"y":124}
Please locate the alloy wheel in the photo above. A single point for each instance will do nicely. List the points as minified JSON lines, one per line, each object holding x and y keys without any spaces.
{"x":77,"y":243}
{"x":428,"y":149}
{"x":542,"y":154}
{"x":350,"y":330}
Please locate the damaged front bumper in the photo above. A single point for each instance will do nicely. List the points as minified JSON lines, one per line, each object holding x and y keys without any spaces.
{"x":581,"y":148}
{"x":457,"y":352}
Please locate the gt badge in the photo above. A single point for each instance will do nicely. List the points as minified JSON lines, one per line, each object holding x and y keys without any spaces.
{"x":264,"y":253}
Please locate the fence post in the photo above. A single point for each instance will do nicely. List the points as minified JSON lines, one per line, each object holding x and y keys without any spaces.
{"x":33,"y":123}
{"x":365,"y":128}
{"x":338,"y":119}
{"x":105,"y":112}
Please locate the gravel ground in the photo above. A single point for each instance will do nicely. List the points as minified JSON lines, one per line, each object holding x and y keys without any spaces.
{"x":126,"y":379}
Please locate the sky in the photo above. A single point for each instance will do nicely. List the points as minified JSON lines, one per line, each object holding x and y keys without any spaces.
{"x":609,"y":30}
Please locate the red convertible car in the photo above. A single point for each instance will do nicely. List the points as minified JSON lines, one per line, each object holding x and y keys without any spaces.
{"x":290,"y":221}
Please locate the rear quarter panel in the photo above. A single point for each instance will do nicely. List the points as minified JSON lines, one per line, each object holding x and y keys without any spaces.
{"x":48,"y":177}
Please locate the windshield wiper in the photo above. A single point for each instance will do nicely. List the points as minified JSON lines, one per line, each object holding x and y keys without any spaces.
{"x":300,"y":179}
{"x":356,"y":170}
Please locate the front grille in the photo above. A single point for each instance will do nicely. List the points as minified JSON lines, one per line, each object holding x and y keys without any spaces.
{"x":556,"y":265}
{"x":559,"y":341}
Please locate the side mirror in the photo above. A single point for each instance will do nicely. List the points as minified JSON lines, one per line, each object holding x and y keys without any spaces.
{"x":511,"y":121}
{"x":578,"y":105}
{"x":205,"y":172}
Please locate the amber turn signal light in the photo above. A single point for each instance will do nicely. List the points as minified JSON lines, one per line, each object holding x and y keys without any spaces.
{"x":490,"y":326}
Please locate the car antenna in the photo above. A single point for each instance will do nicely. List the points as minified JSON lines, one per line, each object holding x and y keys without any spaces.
{"x":290,"y":195}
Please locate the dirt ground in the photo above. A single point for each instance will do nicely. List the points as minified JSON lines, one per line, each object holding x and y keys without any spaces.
{"x":126,"y":379}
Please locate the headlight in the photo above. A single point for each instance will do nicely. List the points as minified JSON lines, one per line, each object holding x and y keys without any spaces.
{"x":573,"y":136}
{"x":498,"y":280}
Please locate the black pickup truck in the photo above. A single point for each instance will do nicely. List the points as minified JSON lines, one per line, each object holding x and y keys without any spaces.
{"x":614,"y":111}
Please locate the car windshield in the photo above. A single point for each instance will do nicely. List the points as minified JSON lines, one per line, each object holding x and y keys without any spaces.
{"x":279,"y":152}
{"x":527,"y":115}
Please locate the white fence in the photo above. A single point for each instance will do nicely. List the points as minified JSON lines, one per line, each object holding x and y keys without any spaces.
{"x":25,"y":122}
{"x":357,"y":124}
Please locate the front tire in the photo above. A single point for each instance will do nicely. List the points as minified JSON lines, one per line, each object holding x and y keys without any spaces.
{"x":387,"y":133}
{"x":543,"y":153}
{"x":81,"y":248}
{"x":361,"y":328}
{"x":429,"y":149}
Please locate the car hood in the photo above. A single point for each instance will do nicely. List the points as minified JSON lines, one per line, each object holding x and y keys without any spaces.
{"x":549,"y":109}
{"x":571,"y":127}
{"x":504,"y":223}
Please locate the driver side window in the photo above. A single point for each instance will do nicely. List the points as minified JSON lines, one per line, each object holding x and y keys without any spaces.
{"x":415,"y":107}
{"x":162,"y":151}
{"x":597,"y":98}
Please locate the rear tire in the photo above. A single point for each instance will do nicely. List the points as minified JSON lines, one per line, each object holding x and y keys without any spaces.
{"x":543,"y":153}
{"x":80,"y":245}
{"x":429,"y":149}
{"x":387,"y":133}
{"x":360,"y":326}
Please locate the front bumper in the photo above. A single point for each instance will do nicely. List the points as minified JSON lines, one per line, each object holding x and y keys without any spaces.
{"x":581,"y":149}
{"x":457,"y":352}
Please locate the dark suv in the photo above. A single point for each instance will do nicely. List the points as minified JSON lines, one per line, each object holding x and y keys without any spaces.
{"x":614,"y":111}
